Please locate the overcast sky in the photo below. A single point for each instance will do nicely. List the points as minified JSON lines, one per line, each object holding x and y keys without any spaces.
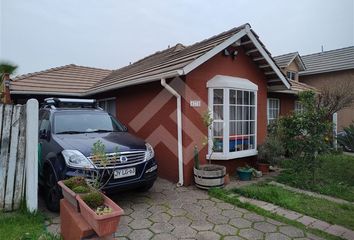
{"x":39,"y":34}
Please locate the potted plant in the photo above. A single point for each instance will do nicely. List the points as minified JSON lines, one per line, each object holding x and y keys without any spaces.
{"x":100,"y":212}
{"x":208,"y":175}
{"x":269,"y":153}
{"x":245,"y":173}
{"x":73,"y":186}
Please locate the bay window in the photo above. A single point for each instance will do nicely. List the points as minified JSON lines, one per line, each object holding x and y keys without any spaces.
{"x":233,"y":106}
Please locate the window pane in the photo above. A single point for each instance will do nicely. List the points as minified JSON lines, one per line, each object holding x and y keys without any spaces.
{"x":232,"y":97}
{"x":246,"y":98}
{"x":218,"y":96}
{"x":218,"y":129}
{"x":245,"y":128}
{"x":218,"y":145}
{"x":252,"y":143}
{"x":232,"y":128}
{"x":252,"y":98}
{"x":239,"y":113}
{"x":252,"y":113}
{"x":245,"y":143}
{"x":246,"y":113}
{"x":232,"y":113}
{"x":252,"y":127}
{"x":218,"y":112}
{"x":239,"y":128}
{"x":239,"y":97}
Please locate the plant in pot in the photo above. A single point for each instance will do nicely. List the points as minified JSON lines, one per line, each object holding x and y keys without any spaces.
{"x":73,"y":186}
{"x":208,"y":175}
{"x":269,"y":153}
{"x":245,"y":173}
{"x":96,"y":208}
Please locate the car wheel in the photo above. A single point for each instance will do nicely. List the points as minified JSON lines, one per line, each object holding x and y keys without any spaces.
{"x":53,"y":192}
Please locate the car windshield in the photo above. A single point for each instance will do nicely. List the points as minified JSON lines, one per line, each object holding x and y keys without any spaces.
{"x":85,"y":122}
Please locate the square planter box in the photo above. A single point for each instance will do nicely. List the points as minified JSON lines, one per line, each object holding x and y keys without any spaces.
{"x":69,"y":195}
{"x":102,"y":224}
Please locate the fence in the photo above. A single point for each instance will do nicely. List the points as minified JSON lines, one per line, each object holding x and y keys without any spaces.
{"x":17,"y":147}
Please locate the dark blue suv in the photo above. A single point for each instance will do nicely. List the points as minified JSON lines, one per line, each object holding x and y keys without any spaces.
{"x":68,"y":128}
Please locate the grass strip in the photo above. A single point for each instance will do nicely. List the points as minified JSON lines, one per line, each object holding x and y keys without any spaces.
{"x":232,"y":198}
{"x":331,"y":212}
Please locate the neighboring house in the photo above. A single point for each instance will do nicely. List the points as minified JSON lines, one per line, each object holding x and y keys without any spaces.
{"x":331,"y":68}
{"x":162,"y":98}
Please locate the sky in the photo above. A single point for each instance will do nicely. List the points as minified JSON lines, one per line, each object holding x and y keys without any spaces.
{"x":40,"y":34}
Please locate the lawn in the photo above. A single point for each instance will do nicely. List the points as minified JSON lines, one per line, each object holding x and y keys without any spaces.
{"x":334,"y":213}
{"x":23,"y":226}
{"x":335,"y":176}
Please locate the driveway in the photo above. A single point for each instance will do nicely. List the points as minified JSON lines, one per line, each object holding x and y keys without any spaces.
{"x":168,"y":212}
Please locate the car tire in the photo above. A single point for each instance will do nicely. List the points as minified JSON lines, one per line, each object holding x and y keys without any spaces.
{"x":52,"y":192}
{"x":145,"y":187}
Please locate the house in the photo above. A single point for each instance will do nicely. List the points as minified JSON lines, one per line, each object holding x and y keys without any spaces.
{"x":329,"y":68}
{"x":163,"y":97}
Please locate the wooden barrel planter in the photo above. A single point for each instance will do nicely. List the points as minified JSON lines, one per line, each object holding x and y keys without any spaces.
{"x":209,"y":175}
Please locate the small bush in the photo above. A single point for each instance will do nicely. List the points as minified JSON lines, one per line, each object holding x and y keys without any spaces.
{"x":348,"y":140}
{"x":271,"y":151}
{"x":74,"y":182}
{"x":81,"y":189}
{"x":93,"y":199}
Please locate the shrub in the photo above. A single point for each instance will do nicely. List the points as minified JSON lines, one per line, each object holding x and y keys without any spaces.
{"x":347,"y":140}
{"x":93,"y":199}
{"x":74,"y":182}
{"x":81,"y":189}
{"x":271,"y":150}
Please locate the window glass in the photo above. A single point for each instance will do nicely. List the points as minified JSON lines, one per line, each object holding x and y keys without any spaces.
{"x":109,"y":105}
{"x":273,"y":105}
{"x":218,"y":117}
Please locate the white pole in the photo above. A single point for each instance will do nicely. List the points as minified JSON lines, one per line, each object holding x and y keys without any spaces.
{"x":32,"y":155}
{"x":335,"y":130}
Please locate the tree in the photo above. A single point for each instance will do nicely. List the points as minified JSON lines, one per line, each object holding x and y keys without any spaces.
{"x":336,"y":96}
{"x":6,"y":67}
{"x":306,"y":134}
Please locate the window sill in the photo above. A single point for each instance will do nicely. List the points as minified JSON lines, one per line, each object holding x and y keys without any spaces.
{"x":232,"y":155}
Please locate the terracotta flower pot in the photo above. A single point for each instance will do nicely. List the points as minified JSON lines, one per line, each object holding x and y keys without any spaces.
{"x":69,"y":195}
{"x":263,"y":167}
{"x":102,"y":224}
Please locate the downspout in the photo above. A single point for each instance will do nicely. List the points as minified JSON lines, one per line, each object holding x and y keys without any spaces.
{"x":179,"y":130}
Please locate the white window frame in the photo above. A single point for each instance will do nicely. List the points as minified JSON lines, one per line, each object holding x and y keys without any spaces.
{"x":230,"y":83}
{"x":298,"y":107}
{"x":105,"y":100}
{"x":276,"y":108}
{"x":292,"y":74}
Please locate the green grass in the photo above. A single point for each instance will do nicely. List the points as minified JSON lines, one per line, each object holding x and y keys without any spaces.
{"x":22,"y":225}
{"x":335,"y":176}
{"x":232,"y":198}
{"x":334,"y":213}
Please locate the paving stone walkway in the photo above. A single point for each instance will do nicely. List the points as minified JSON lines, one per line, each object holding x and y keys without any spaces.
{"x":168,"y":212}
{"x":311,"y":222}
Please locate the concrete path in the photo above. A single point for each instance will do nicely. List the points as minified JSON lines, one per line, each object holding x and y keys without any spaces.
{"x":312,"y":194}
{"x":311,"y":222}
{"x":167,"y":212}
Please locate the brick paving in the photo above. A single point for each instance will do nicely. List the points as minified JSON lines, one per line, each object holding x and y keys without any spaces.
{"x":168,"y":212}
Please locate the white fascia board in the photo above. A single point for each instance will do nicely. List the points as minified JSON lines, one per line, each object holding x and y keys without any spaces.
{"x":267,"y":58}
{"x":221,"y":81}
{"x":46,"y":93}
{"x":135,"y":82}
{"x":211,"y":53}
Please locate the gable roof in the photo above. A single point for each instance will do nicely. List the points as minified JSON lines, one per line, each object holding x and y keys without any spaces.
{"x":180,"y":60}
{"x":285,"y":60}
{"x":69,"y":80}
{"x":329,"y":61}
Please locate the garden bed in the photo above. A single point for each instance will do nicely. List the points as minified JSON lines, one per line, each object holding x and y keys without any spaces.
{"x":334,"y":177}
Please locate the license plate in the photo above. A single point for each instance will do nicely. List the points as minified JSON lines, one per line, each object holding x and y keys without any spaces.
{"x":122,"y":173}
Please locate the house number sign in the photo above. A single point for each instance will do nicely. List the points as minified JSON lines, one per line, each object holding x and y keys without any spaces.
{"x":194,"y":103}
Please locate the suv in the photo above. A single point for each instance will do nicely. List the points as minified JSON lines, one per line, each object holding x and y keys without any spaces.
{"x":68,"y":128}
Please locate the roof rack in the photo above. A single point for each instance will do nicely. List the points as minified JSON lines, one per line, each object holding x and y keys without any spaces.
{"x":70,"y":103}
